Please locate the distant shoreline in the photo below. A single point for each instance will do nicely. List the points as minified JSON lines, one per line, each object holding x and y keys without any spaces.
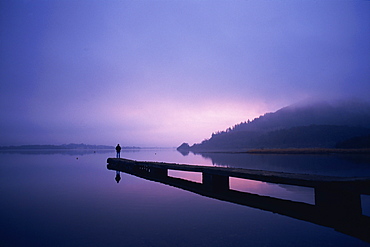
{"x":308,"y":151}
{"x":290,"y":151}
{"x":70,"y":146}
{"x":76,"y":147}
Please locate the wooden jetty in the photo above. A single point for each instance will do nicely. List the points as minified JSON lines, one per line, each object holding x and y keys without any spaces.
{"x":306,"y":180}
{"x":337,"y":199}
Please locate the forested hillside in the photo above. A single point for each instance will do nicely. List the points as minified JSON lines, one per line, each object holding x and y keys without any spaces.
{"x":320,"y":124}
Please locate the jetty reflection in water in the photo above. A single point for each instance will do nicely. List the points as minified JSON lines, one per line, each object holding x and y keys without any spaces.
{"x":337,"y":203}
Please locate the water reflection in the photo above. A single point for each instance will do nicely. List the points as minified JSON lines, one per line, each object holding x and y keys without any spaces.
{"x":337,"y":205}
{"x":57,"y":200}
{"x":282,"y":191}
{"x":184,"y":152}
{"x":118,"y":176}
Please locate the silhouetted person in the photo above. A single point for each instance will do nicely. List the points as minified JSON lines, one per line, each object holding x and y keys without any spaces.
{"x":118,"y":149}
{"x":118,"y":176}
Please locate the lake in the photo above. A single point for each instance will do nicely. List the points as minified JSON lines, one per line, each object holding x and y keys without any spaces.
{"x":70,"y":198}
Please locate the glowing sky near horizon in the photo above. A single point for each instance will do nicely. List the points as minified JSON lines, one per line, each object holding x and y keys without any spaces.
{"x":159,"y":73}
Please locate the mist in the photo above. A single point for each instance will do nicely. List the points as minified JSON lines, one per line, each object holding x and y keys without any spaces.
{"x":158,"y":74}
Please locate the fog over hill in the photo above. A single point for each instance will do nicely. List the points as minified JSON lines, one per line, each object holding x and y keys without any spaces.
{"x":344,"y":112}
{"x":312,"y":124}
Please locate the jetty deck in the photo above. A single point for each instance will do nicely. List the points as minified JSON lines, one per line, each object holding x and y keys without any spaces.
{"x":337,"y":199}
{"x":307,"y":180}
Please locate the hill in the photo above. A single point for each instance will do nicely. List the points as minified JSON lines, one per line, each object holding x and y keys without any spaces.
{"x":319,"y":124}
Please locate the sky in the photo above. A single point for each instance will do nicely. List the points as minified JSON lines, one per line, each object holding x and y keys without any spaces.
{"x":160,"y":73}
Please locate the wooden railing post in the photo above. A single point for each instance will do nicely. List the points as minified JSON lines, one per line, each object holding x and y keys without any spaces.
{"x":338,"y":200}
{"x":215,"y":182}
{"x":159,"y":172}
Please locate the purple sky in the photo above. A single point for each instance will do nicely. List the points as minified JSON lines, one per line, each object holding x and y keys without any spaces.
{"x":159,"y":73}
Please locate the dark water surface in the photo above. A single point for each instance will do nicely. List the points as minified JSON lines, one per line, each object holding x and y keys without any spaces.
{"x":72,"y":199}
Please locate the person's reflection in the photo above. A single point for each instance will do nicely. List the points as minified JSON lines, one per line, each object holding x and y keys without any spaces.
{"x":118,"y":176}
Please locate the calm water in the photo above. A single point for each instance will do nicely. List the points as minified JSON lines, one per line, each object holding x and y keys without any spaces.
{"x":72,"y":199}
